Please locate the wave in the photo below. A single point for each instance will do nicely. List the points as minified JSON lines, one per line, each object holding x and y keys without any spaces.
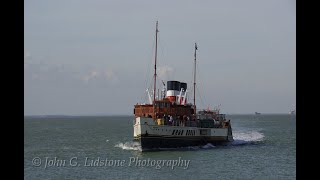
{"x":241,"y":138}
{"x":208,"y":146}
{"x":129,"y":146}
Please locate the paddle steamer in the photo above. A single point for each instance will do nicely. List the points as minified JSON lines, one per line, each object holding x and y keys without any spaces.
{"x":170,"y":121}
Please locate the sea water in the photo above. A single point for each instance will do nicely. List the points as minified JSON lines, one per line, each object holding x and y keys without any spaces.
{"x":101,"y":147}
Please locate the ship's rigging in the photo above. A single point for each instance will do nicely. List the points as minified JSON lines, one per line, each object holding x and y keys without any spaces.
{"x":153,"y":95}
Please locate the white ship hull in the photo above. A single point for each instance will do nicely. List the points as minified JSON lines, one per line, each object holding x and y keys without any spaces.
{"x":153,"y":136}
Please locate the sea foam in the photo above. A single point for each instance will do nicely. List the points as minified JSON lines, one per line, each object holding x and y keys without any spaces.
{"x":241,"y":138}
{"x":129,"y":146}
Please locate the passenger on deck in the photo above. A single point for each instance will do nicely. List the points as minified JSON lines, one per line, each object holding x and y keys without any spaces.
{"x":184,"y":120}
{"x":165,"y":119}
{"x":170,"y":120}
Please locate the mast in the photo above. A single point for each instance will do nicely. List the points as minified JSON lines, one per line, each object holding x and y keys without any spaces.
{"x":194,"y":79}
{"x":155,"y":65}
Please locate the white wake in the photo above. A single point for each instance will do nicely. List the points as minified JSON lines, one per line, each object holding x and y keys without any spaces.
{"x":129,"y":146}
{"x":247,"y":137}
{"x":208,"y":146}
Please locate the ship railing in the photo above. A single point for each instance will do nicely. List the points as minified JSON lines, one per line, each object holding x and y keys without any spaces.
{"x":175,"y":122}
{"x":204,"y":121}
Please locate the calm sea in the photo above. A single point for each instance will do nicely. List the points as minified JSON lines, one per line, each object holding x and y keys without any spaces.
{"x":102,"y":148}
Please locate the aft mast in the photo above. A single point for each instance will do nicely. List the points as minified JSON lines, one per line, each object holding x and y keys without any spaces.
{"x":194,"y":79}
{"x":155,"y":65}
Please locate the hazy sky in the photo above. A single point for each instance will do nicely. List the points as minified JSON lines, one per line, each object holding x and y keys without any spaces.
{"x":96,"y":56}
